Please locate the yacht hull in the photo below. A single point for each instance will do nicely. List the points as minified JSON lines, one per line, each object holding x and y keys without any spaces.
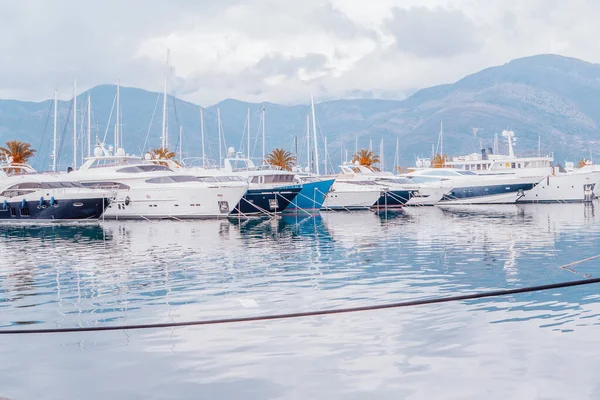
{"x":311,"y":197}
{"x":394,"y":198}
{"x":564,"y":188}
{"x":72,"y":209}
{"x":350,"y":200}
{"x":507,"y":193}
{"x":175,"y":203}
{"x":265,"y":201}
{"x":427,"y":197}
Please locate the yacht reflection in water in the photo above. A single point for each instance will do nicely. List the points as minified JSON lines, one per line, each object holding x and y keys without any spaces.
{"x":125,"y":269}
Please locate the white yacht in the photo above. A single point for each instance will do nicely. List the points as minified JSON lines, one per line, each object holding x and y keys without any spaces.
{"x":26,"y":196}
{"x":271,"y":189}
{"x":555,"y":185}
{"x":572,"y":186}
{"x":467,"y":187}
{"x":351,"y":192}
{"x":146,"y":190}
{"x":402,"y":191}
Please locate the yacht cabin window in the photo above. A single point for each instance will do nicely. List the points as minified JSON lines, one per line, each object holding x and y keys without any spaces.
{"x":143,"y":168}
{"x":173,"y":179}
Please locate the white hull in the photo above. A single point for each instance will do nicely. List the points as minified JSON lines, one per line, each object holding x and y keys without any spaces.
{"x":175,"y":203}
{"x":427,"y":196}
{"x":564,"y":188}
{"x":347,"y":199}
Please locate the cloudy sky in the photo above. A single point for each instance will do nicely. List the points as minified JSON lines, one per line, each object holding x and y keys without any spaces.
{"x":279,"y":50}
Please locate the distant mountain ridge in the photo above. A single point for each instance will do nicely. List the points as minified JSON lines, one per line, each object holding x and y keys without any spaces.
{"x":548,"y":96}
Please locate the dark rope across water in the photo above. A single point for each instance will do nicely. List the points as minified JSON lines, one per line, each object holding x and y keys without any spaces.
{"x":410,"y":303}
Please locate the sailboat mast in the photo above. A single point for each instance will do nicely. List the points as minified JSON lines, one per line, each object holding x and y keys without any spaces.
{"x":442,"y":140}
{"x":202,"y":135}
{"x":54,"y":139}
{"x":314,"y":121}
{"x":356,"y":144}
{"x":263,"y":135}
{"x":219,"y":132}
{"x":89,"y":124}
{"x":118,"y":116}
{"x":396,"y":157}
{"x":180,"y":143}
{"x":296,"y":149}
{"x":75,"y":123}
{"x":308,"y":154}
{"x":341,"y":150}
{"x":381,"y":164}
{"x":248,"y":122}
{"x":164,"y":116}
{"x":325,"y":156}
{"x":539,"y":145}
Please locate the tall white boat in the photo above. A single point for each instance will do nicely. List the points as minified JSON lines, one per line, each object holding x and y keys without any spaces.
{"x":489,"y":163}
{"x":352,"y":192}
{"x":553,"y":184}
{"x":149,"y":191}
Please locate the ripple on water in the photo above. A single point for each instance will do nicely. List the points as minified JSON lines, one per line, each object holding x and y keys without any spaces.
{"x":141,"y":272}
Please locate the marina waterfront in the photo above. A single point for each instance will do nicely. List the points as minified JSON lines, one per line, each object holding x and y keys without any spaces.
{"x":131,"y":272}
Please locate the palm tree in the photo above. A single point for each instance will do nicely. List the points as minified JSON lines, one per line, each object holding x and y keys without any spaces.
{"x":19,"y":152}
{"x":162,"y":153}
{"x":280,"y":158}
{"x":366,"y":158}
{"x":439,"y":161}
{"x":582,"y":163}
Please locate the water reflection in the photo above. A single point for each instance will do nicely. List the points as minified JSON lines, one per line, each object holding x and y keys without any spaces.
{"x":140,"y":271}
{"x":136,"y":272}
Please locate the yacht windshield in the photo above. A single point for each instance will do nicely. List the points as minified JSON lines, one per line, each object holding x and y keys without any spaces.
{"x":173,"y":179}
{"x":115,"y":162}
{"x":143,"y":168}
{"x":466,"y":172}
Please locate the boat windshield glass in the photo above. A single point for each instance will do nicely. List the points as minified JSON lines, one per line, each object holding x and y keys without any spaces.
{"x":114,"y":162}
{"x":363,"y":183}
{"x":403,"y":181}
{"x":466,"y":172}
{"x":105,"y":185}
{"x":173,"y":179}
{"x":441,"y":172}
{"x":136,"y":169}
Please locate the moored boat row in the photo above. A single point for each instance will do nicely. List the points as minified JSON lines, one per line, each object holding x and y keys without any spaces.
{"x":120,"y":186}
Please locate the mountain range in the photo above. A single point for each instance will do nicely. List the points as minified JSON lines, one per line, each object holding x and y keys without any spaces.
{"x":547,"y":98}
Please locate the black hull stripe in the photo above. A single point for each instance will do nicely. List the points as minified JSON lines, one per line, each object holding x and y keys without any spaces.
{"x":485,"y":191}
{"x":63,"y":210}
{"x":270,"y":200}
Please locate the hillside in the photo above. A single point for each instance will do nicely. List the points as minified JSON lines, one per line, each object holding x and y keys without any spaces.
{"x":555,"y":97}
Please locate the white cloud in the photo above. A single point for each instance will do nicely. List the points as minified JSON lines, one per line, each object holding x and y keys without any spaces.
{"x":261,"y":50}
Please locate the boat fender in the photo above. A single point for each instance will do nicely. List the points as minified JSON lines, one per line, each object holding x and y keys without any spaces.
{"x":5,"y":205}
{"x":52,"y":201}
{"x":23,"y":204}
{"x":41,"y":201}
{"x":127,"y":200}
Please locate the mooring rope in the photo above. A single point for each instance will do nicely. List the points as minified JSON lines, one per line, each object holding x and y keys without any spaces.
{"x":410,"y":303}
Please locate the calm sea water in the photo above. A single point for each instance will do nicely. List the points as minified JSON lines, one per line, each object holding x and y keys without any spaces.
{"x":537,"y":345}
